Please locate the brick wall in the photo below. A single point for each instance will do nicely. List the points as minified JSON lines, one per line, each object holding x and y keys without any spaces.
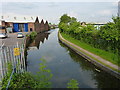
{"x":47,"y":27}
{"x":31,"y":27}
{"x":37,"y":25}
{"x":42,"y":26}
{"x":2,"y":25}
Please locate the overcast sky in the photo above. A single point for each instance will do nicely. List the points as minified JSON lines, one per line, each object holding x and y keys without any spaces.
{"x":51,"y":11}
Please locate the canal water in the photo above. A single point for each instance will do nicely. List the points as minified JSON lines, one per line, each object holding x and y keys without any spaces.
{"x":65,"y":64}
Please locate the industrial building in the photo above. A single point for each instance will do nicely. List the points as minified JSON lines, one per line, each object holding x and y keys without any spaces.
{"x":23,"y":25}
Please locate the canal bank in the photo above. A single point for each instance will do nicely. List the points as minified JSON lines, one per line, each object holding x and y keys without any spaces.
{"x":65,"y":64}
{"x":96,"y":60}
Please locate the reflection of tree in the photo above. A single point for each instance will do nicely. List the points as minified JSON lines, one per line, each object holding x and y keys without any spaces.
{"x":39,"y":38}
{"x":105,"y":80}
{"x":102,"y":78}
{"x":84,"y":64}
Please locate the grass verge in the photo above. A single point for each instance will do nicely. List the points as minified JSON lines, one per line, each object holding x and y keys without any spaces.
{"x":113,"y":58}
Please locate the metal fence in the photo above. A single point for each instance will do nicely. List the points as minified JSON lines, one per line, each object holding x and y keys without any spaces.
{"x":7,"y":55}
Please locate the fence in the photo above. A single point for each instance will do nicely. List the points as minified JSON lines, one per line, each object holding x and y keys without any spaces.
{"x":13,"y":55}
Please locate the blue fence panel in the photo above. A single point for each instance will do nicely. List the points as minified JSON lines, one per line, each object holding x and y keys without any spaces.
{"x":26,"y":27}
{"x":15,"y":27}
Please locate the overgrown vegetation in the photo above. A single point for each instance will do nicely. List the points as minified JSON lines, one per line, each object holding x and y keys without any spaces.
{"x":32,"y":35}
{"x":27,"y":80}
{"x":72,"y":84}
{"x":107,"y":38}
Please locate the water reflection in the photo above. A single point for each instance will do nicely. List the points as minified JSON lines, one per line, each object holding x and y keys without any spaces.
{"x":102,"y":78}
{"x":65,"y":64}
{"x":40,"y":38}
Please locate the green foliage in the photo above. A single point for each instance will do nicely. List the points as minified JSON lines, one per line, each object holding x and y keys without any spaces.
{"x":104,"y":54}
{"x":65,"y":18}
{"x":6,"y":78}
{"x":27,"y":80}
{"x":33,"y":35}
{"x":73,"y":84}
{"x":107,"y":38}
{"x":43,"y":76}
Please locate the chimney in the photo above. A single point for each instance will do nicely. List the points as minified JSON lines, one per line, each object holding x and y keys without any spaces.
{"x":24,"y":18}
{"x":2,"y":17}
{"x":15,"y":18}
{"x":32,"y":18}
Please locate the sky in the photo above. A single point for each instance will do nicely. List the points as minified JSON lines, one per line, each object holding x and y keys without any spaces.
{"x":92,"y":11}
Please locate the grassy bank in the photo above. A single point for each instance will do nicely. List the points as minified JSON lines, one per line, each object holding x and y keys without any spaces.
{"x":113,"y":58}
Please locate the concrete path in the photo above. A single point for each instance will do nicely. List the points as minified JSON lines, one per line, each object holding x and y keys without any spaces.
{"x":93,"y":55}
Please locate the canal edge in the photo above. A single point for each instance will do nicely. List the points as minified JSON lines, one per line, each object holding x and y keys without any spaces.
{"x":91,"y":59}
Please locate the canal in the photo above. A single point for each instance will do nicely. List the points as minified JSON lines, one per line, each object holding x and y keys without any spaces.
{"x":65,"y":64}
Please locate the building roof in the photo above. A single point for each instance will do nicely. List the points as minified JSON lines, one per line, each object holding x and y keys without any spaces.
{"x":18,"y":19}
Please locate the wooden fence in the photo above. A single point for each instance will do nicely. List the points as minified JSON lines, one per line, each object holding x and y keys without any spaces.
{"x":8,"y":55}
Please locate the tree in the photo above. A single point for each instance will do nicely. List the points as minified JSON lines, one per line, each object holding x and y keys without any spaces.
{"x":65,"y":18}
{"x":73,"y":19}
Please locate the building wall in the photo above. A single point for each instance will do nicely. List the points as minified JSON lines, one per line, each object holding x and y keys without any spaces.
{"x":2,"y":27}
{"x":31,"y":26}
{"x":3,"y":23}
{"x":37,"y":27}
{"x":9,"y":24}
{"x":42,"y":26}
{"x":46,"y":27}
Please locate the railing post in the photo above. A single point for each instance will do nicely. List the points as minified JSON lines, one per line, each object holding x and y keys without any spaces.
{"x":1,"y":63}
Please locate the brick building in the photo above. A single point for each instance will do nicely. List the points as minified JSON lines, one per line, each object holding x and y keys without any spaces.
{"x":37,"y":25}
{"x":2,"y":27}
{"x":47,"y":26}
{"x":23,"y":25}
{"x":42,"y":26}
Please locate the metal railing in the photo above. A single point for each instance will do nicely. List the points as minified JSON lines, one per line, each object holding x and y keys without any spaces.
{"x":7,"y":55}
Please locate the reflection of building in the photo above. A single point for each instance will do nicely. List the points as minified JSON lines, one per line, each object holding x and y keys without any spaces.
{"x":22,"y":25}
{"x":39,"y":38}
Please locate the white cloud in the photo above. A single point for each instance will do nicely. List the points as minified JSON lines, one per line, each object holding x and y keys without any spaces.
{"x":59,"y":0}
{"x":115,"y":3}
{"x":52,"y":11}
{"x":105,"y":12}
{"x":73,"y":14}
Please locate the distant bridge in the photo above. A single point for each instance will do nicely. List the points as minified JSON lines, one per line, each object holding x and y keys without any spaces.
{"x":98,"y":25}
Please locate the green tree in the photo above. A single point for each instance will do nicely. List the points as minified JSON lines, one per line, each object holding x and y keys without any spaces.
{"x":65,"y":18}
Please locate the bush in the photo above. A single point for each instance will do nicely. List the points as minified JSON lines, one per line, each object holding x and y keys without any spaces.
{"x":27,"y":80}
{"x":33,"y":35}
{"x":107,"y":38}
